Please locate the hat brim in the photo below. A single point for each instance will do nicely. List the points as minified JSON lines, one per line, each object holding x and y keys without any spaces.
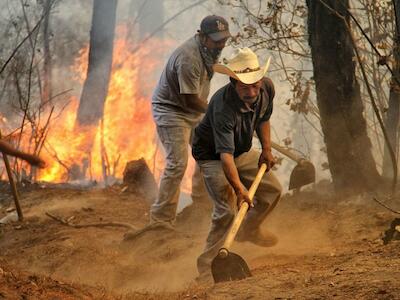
{"x":246,"y":78}
{"x":218,"y":36}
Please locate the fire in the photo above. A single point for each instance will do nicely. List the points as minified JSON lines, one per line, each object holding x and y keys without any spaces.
{"x":127,"y":131}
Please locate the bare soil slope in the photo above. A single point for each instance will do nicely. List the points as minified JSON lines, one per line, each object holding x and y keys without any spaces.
{"x":328,"y":248}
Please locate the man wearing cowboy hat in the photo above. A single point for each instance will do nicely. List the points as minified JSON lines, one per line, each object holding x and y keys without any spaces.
{"x":222,"y":148}
{"x":178,"y":103}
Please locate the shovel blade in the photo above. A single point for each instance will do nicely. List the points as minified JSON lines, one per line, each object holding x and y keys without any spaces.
{"x":229,"y":268}
{"x":302,"y":174}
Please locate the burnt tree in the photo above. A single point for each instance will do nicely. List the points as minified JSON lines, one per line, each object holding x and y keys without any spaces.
{"x":149,"y":14}
{"x":147,"y":17}
{"x":95,"y":89}
{"x":393,"y":112}
{"x":349,"y":153}
{"x":47,"y":78}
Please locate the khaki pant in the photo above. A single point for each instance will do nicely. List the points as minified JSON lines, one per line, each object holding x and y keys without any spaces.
{"x":175,"y":141}
{"x":224,"y":201}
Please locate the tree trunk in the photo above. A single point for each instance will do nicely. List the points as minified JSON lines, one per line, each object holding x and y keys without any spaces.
{"x":350,"y":159}
{"x":151,"y":18}
{"x":149,"y":15}
{"x":392,"y":117}
{"x":46,"y":53}
{"x":95,"y":89}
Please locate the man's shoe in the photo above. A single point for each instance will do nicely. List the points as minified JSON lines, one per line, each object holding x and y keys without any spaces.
{"x":153,"y":226}
{"x":162,"y":225}
{"x":204,"y":279}
{"x":262,"y":239}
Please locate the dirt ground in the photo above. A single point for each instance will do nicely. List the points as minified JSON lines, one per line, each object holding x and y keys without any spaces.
{"x":328,"y":248}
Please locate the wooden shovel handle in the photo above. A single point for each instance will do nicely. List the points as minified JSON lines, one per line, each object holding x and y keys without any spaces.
{"x":286,"y":152}
{"x":223,"y":252}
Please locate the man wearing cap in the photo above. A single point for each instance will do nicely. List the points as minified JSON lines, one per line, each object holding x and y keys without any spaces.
{"x":222,"y":148}
{"x":178,"y":103}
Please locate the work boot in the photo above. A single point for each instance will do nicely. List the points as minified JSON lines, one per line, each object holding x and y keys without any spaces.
{"x":204,"y":279}
{"x":262,"y":239}
{"x":162,"y":225}
{"x":153,"y":226}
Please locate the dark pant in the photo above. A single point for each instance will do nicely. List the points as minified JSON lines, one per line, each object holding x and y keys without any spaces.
{"x":224,"y":201}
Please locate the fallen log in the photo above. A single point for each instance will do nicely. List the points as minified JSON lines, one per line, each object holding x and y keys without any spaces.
{"x":138,"y":179}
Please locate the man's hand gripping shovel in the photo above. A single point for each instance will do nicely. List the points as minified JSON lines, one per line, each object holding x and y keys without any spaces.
{"x":228,"y":266}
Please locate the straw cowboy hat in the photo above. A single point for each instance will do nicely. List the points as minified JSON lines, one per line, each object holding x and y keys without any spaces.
{"x":243,"y":66}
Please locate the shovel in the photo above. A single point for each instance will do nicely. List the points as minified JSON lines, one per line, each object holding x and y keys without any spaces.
{"x":228,"y":266}
{"x":303,"y":173}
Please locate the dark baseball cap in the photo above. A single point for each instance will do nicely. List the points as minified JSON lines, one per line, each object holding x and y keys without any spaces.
{"x":216,"y":27}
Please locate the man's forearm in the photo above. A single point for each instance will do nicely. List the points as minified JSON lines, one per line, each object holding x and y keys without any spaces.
{"x":231,"y":172}
{"x":196,"y":103}
{"x":264,"y":135}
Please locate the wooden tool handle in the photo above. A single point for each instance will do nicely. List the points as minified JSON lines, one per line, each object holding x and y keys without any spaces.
{"x":223,"y":252}
{"x":286,"y":152}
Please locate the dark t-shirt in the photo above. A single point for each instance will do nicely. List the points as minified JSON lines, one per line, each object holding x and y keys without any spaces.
{"x":228,"y":125}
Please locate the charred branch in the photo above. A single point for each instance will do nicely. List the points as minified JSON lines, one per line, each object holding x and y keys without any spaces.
{"x":67,"y":222}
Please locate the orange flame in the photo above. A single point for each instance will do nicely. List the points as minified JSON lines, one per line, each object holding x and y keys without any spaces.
{"x":128,"y":126}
